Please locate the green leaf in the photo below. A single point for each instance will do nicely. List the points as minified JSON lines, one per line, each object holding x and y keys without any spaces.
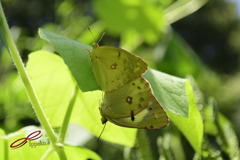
{"x":122,"y":16}
{"x":3,"y":145}
{"x":180,"y":60}
{"x":80,"y":153}
{"x":209,"y":125}
{"x":28,"y":151}
{"x":53,"y":85}
{"x":52,"y":82}
{"x":170,"y":91}
{"x":191,"y":127}
{"x":76,"y":57}
{"x":143,"y":145}
{"x":226,"y":136}
{"x":164,"y":147}
{"x":181,"y":9}
{"x":174,"y":141}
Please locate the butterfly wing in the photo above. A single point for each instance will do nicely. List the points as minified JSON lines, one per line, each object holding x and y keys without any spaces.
{"x":127,"y":100}
{"x":152,"y":117}
{"x":114,"y":67}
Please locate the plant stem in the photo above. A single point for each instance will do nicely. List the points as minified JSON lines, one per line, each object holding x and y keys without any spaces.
{"x":67,"y":115}
{"x":27,"y":84}
{"x":5,"y":143}
{"x":47,"y":153}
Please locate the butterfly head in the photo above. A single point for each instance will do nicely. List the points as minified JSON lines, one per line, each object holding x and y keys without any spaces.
{"x":104,"y":120}
{"x":95,"y":45}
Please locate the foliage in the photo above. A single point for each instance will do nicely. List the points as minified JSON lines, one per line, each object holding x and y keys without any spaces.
{"x":197,"y":129}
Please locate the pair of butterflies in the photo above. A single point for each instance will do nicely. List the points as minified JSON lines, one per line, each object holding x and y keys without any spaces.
{"x":128,"y":100}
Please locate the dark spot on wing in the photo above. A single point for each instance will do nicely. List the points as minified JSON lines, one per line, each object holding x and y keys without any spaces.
{"x":114,"y":66}
{"x":129,"y":100}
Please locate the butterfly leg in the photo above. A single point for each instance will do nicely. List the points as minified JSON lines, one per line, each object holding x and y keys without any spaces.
{"x":87,"y":54}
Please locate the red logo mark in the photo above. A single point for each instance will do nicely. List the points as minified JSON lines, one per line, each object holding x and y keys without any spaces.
{"x":31,"y":136}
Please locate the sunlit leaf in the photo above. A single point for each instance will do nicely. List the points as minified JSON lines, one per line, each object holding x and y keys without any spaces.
{"x":191,"y":127}
{"x":3,"y":145}
{"x":142,"y":16}
{"x":144,"y":145}
{"x":170,"y":91}
{"x":53,"y":85}
{"x":181,"y":9}
{"x":226,"y":136}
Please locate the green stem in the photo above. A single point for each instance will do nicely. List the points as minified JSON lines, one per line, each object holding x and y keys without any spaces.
{"x":47,"y":153}
{"x":67,"y":116}
{"x":6,"y":157}
{"x":29,"y":89}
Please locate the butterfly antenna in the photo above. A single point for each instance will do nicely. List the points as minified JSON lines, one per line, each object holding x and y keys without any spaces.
{"x":101,"y":132}
{"x":101,"y":37}
{"x":92,"y":34}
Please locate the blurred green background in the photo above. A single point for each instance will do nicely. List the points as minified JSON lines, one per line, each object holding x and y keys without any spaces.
{"x":203,"y":46}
